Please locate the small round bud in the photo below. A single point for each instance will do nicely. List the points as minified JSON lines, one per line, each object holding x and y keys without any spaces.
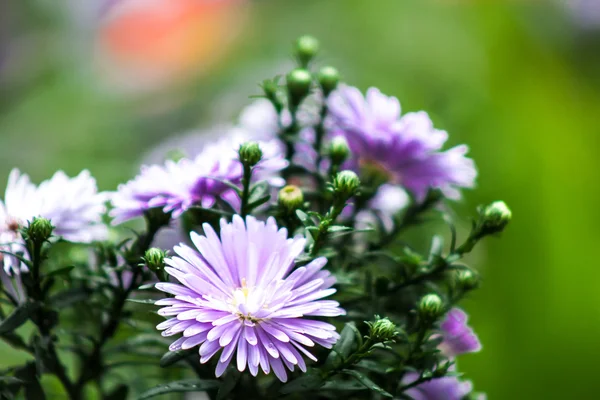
{"x":175,"y":155}
{"x":306,"y":49}
{"x":430,"y":307}
{"x":346,"y":183}
{"x":39,"y":229}
{"x":382,"y":330}
{"x":155,"y":259}
{"x":338,"y":150}
{"x":494,"y":217}
{"x":328,"y":78}
{"x":467,"y":279}
{"x":250,"y":153}
{"x":291,"y":198}
{"x":298,"y":85}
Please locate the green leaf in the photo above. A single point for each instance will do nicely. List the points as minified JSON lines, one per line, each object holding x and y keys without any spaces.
{"x":18,"y":317}
{"x":364,"y":380}
{"x":172,"y":357}
{"x":189,"y":385}
{"x":144,"y":340}
{"x":338,"y":228}
{"x":350,"y":340}
{"x":119,"y":393}
{"x":312,"y":380}
{"x":372,"y":366}
{"x":304,"y":218}
{"x":69,"y":297}
{"x":10,"y":380}
{"x":142,"y":301}
{"x":232,"y":376}
{"x":147,"y":286}
{"x":60,"y":271}
{"x":339,"y":384}
{"x":259,"y":202}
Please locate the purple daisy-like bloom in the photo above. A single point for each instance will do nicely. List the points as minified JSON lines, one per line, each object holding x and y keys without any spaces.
{"x":176,"y":186}
{"x":73,"y":206}
{"x":240,"y":294}
{"x":458,"y":337}
{"x":445,"y":388}
{"x":407,"y":149}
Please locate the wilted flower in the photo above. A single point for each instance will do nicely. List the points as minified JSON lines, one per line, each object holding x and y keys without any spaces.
{"x":238,"y":293}
{"x":176,"y":186}
{"x":72,"y":205}
{"x":405,"y":151}
{"x":444,"y":388}
{"x":458,"y":337}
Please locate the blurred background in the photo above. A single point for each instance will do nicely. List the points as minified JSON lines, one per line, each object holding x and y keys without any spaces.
{"x":98,"y":84}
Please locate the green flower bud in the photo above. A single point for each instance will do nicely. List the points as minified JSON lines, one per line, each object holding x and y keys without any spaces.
{"x":291,"y":198}
{"x":382,"y":330}
{"x":306,"y":49}
{"x":155,"y":259}
{"x":430,"y":307}
{"x":346,"y":183}
{"x":175,"y":155}
{"x":328,"y":78}
{"x":338,"y":150}
{"x":250,"y":153}
{"x":298,"y":85}
{"x":466,"y":279}
{"x":39,"y":229}
{"x":494,"y":217}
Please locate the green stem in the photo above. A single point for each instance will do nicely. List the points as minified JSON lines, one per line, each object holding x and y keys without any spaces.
{"x":92,"y":368}
{"x":246,"y":190}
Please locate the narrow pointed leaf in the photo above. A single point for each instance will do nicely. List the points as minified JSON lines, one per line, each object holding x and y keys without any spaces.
{"x":190,"y":385}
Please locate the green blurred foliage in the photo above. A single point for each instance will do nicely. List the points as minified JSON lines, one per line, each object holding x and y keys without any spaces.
{"x":518,"y":82}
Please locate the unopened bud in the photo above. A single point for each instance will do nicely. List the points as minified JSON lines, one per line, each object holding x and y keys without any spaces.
{"x":306,"y":49}
{"x":328,"y":78}
{"x":494,"y":217}
{"x":291,"y":198}
{"x":382,"y":330}
{"x":250,"y":153}
{"x":338,"y":150}
{"x":346,"y":183}
{"x":39,"y":229}
{"x":430,"y":307}
{"x":466,"y":279}
{"x":155,"y":259}
{"x":298,"y":85}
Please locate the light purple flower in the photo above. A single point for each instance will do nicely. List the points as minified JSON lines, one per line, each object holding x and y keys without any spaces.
{"x":407,"y":149}
{"x":176,"y":186}
{"x":458,"y":337}
{"x":445,"y":388}
{"x":73,"y":206}
{"x":241,"y":294}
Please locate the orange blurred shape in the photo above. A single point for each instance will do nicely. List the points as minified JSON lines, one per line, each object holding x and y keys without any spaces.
{"x":150,"y":43}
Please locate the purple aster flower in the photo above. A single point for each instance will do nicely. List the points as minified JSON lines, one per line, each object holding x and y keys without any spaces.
{"x":445,"y":388}
{"x":176,"y":186}
{"x":73,"y":206}
{"x":241,"y":294}
{"x":406,"y":150}
{"x":458,"y":337}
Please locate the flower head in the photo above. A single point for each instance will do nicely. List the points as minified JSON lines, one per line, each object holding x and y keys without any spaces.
{"x":458,"y":337}
{"x":176,"y":186}
{"x":240,"y":294}
{"x":404,"y":150}
{"x":72,"y":205}
{"x":444,"y":388}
